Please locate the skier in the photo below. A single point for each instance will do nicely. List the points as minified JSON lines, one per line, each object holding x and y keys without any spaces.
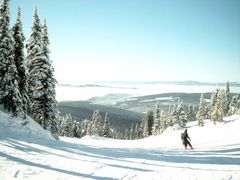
{"x":186,"y":139}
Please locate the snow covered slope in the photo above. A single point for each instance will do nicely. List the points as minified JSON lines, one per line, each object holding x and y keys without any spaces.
{"x":216,"y":155}
{"x":21,"y":128}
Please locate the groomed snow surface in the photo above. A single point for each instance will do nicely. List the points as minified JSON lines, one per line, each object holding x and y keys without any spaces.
{"x":29,"y":152}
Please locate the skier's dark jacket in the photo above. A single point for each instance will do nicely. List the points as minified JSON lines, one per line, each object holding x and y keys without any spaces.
{"x":185,"y":137}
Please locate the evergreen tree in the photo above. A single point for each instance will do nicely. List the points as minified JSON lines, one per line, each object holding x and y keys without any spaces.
{"x":126,"y":134}
{"x":163,"y":124}
{"x":20,"y":62}
{"x":238,"y":108}
{"x":106,"y":127}
{"x":78,"y":127}
{"x":85,"y":128}
{"x":10,"y":95}
{"x":148,"y":123}
{"x":44,"y":104}
{"x":157,"y":116}
{"x":114,"y":134}
{"x":66,"y":125}
{"x":89,"y":129}
{"x":180,"y":115}
{"x":174,"y":115}
{"x":145,"y":128}
{"x":215,"y":115}
{"x":218,"y":111}
{"x":131,"y":133}
{"x":96,"y":126}
{"x":60,"y":119}
{"x":234,"y":105}
{"x":190,"y":113}
{"x":213,"y":103}
{"x":227,"y":99}
{"x":140,"y":130}
{"x":34,"y":46}
{"x":214,"y":97}
{"x":136,"y":131}
{"x":208,"y":111}
{"x":74,"y":128}
{"x":201,"y":111}
{"x":221,"y":105}
{"x":169,"y":116}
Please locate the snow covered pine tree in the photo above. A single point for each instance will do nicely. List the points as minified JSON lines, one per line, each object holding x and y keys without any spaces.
{"x":42,"y":82}
{"x":10,"y":95}
{"x":33,"y":48}
{"x":20,"y":62}
{"x":201,"y":111}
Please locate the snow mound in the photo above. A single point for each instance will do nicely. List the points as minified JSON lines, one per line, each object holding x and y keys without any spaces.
{"x":18,"y":128}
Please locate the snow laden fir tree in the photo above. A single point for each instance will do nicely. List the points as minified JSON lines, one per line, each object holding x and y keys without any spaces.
{"x":33,"y":49}
{"x":202,"y":111}
{"x":42,"y":82}
{"x":20,"y":62}
{"x":10,"y":95}
{"x":156,"y":123}
{"x":27,"y":85}
{"x":106,"y":126}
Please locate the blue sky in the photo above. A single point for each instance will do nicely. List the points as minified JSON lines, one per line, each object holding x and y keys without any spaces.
{"x":140,"y":40}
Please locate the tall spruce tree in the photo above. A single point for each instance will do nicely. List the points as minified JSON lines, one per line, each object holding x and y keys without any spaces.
{"x":163,"y":121}
{"x":227,"y":99}
{"x":234,"y":105}
{"x":169,"y":116}
{"x":173,"y":116}
{"x":180,"y":115}
{"x":44,"y":105}
{"x":126,"y":134}
{"x":42,"y":82}
{"x":190,"y":113}
{"x":106,"y":126}
{"x":216,"y":114}
{"x":20,"y":62}
{"x":213,"y":103}
{"x":157,"y":116}
{"x":89,"y":129}
{"x":33,"y":49}
{"x":201,"y":111}
{"x":148,"y":123}
{"x":9,"y":89}
{"x":136,"y":131}
{"x":83,"y":127}
{"x":145,"y":128}
{"x":141,"y":129}
{"x":96,"y":123}
{"x":131,"y":133}
{"x":66,"y":126}
{"x":221,"y":105}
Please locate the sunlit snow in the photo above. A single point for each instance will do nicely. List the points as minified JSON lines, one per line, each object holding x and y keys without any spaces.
{"x":30,"y":156}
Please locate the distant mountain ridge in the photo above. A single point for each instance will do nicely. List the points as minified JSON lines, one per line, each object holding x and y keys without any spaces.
{"x":187,"y":83}
{"x":95,"y":85}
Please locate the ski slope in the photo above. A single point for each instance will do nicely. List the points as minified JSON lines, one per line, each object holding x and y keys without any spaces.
{"x":29,"y":152}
